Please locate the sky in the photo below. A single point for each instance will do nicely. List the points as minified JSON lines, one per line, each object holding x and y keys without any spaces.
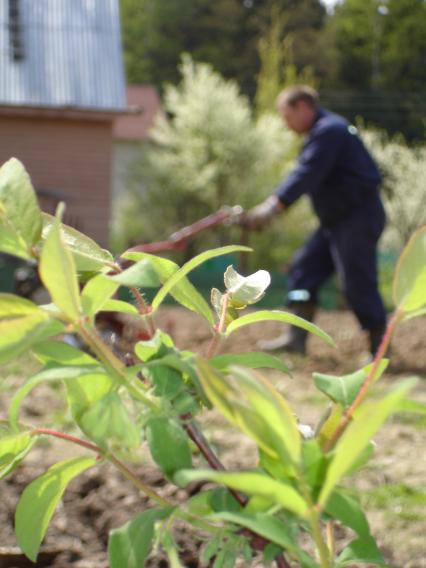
{"x":329,"y":3}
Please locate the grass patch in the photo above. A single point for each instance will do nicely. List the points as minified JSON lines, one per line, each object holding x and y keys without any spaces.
{"x":17,"y":371}
{"x":400,"y":501}
{"x":415,"y":420}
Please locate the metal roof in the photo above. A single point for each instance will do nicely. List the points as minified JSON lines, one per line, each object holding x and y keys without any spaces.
{"x":61,"y":53}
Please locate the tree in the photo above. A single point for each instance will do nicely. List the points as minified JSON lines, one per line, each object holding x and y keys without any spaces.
{"x":277,"y":68}
{"x":404,"y":49}
{"x":157,"y":32}
{"x":352,"y":28}
{"x":224,"y":34}
{"x":209,"y":153}
{"x":380,"y":44}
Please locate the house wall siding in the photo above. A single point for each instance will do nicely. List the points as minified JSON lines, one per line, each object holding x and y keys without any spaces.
{"x":68,"y":157}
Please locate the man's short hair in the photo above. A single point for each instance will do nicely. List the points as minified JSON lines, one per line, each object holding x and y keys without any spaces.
{"x":292,"y":95}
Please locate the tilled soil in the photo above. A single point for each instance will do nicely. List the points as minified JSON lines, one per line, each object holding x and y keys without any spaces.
{"x":101,"y":499}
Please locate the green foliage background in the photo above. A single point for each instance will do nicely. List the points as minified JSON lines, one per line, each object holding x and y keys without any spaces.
{"x":367,"y":55}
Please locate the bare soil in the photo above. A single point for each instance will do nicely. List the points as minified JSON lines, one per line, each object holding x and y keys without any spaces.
{"x":394,"y":484}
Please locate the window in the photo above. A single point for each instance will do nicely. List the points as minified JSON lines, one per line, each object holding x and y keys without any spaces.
{"x":16,"y":40}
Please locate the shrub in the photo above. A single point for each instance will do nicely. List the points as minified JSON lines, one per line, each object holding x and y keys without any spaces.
{"x":296,"y":488}
{"x":404,"y":191}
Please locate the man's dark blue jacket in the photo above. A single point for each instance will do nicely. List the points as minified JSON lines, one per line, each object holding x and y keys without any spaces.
{"x":334,"y":169}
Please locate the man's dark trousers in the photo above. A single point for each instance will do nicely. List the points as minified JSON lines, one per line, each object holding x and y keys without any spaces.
{"x":349,"y":248}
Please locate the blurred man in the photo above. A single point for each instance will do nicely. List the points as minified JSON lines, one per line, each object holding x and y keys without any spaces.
{"x":341,"y":179}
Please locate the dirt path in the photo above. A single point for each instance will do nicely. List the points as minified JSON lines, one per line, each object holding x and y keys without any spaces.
{"x":393,"y":487}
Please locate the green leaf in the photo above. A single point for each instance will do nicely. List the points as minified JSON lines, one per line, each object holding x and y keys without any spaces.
{"x":120,"y":306}
{"x":11,"y":241}
{"x":58,"y":273}
{"x":84,"y":392}
{"x":275,"y":466}
{"x":12,"y":307}
{"x":168,"y":444}
{"x":20,"y":205}
{"x":409,"y":285}
{"x":226,"y":558}
{"x":88,"y":255}
{"x":329,"y":423}
{"x":22,"y":324}
{"x":210,"y":549}
{"x":142,"y":274}
{"x":367,"y":420}
{"x":109,"y":424}
{"x":221,"y":499}
{"x":183,"y":292}
{"x":171,"y":550}
{"x":190,"y":265}
{"x":262,"y":524}
{"x":253,"y":360}
{"x":129,"y":546}
{"x":13,"y":449}
{"x":409,"y":405}
{"x":167,"y":381}
{"x":97,"y":293}
{"x":199,"y":504}
{"x":276,"y":315}
{"x":217,"y":300}
{"x":17,"y":337}
{"x":415,"y":314}
{"x":39,"y":500}
{"x":361,"y":550}
{"x":343,"y":390}
{"x":314,"y":464}
{"x":251,"y":483}
{"x":62,"y":353}
{"x":50,"y":373}
{"x":255,"y":407}
{"x":347,"y":510}
{"x":158,"y":346}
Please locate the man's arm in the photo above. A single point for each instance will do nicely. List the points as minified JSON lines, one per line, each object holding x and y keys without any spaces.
{"x":315,"y":162}
{"x":260,"y":215}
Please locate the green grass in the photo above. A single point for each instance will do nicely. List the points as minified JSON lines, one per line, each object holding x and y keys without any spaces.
{"x":400,"y":501}
{"x":17,"y":370}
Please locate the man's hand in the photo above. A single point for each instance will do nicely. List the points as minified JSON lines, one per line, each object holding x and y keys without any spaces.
{"x":258,"y":217}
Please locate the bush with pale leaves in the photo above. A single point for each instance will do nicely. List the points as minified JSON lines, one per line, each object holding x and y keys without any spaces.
{"x":404,"y":185}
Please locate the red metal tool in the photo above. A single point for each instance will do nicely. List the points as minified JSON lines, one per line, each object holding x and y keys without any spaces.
{"x":179,"y":239}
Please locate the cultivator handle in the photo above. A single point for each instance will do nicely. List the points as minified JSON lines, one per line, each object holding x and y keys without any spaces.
{"x":179,"y":239}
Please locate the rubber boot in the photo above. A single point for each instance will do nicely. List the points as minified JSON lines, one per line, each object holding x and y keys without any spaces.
{"x":294,"y":339}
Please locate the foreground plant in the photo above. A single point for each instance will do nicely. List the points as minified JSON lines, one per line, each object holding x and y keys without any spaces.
{"x":154,"y":399}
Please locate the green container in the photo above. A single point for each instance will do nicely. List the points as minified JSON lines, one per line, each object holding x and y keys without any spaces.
{"x":8,"y":265}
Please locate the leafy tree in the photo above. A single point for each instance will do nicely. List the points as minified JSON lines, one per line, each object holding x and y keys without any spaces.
{"x":404,"y":45}
{"x":224,"y":34}
{"x":277,"y":69}
{"x":210,"y":152}
{"x":380,"y":44}
{"x":354,"y":29}
{"x":157,"y":32}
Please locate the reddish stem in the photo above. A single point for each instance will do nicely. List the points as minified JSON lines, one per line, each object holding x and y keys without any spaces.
{"x":118,"y":464}
{"x":199,"y":440}
{"x":219,"y":328}
{"x":282,"y":562}
{"x":67,"y":437}
{"x":368,"y":381}
{"x":144,"y":310}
